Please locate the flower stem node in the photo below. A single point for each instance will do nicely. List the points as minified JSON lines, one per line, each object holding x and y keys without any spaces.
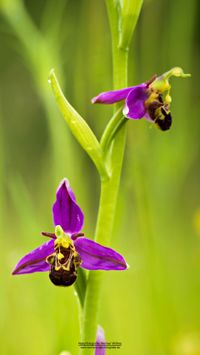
{"x":150,"y":100}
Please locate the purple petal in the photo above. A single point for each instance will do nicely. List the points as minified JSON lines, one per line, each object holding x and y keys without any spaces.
{"x":100,"y":342}
{"x":134,"y":106}
{"x":110,"y":97}
{"x":66,"y":212}
{"x":97,"y":257}
{"x":35,"y":261}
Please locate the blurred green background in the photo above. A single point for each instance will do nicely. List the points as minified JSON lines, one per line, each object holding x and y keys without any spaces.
{"x":154,"y":307}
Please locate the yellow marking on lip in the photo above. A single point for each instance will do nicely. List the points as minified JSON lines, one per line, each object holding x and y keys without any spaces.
{"x":67,"y":268}
{"x":152,"y":97}
{"x":60,"y":256}
{"x":64,"y":242}
{"x":57,"y":268}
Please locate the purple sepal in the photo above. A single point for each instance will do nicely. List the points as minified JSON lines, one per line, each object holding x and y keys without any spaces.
{"x":100,"y":342}
{"x":35,"y":261}
{"x":97,"y":257}
{"x":66,"y":212}
{"x":111,"y":97}
{"x":134,"y":105}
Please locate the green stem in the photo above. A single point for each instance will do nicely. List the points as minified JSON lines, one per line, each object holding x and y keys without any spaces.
{"x":80,"y":286}
{"x":108,"y":199}
{"x":109,"y":193}
{"x":116,"y":132}
{"x":111,"y":129}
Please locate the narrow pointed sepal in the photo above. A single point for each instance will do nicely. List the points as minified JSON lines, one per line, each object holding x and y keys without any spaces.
{"x":110,"y":97}
{"x":66,"y":211}
{"x":97,"y":257}
{"x":35,"y":261}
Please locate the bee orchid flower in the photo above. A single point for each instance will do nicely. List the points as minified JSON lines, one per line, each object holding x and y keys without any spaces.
{"x":68,"y":249}
{"x":150,"y":100}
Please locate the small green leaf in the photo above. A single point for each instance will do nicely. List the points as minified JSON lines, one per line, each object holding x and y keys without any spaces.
{"x":79,"y":127}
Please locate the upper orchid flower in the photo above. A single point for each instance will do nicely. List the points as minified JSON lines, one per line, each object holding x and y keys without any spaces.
{"x":150,"y":100}
{"x":68,"y":249}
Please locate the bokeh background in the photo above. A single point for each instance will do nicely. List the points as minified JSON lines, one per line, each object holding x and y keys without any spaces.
{"x":154,"y":307}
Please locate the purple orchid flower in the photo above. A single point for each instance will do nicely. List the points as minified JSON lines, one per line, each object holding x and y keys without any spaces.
{"x":68,"y":249}
{"x":150,"y":100}
{"x":100,"y":342}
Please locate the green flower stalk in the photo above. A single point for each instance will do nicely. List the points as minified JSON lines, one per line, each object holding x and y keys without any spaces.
{"x":109,"y":189}
{"x":108,"y":162}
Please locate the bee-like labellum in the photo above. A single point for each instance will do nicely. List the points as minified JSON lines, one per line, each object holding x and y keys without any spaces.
{"x":159,"y":114}
{"x":64,"y":263}
{"x":164,"y":120}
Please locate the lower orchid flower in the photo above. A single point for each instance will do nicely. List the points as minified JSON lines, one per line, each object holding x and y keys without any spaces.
{"x":150,"y":100}
{"x":68,"y":249}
